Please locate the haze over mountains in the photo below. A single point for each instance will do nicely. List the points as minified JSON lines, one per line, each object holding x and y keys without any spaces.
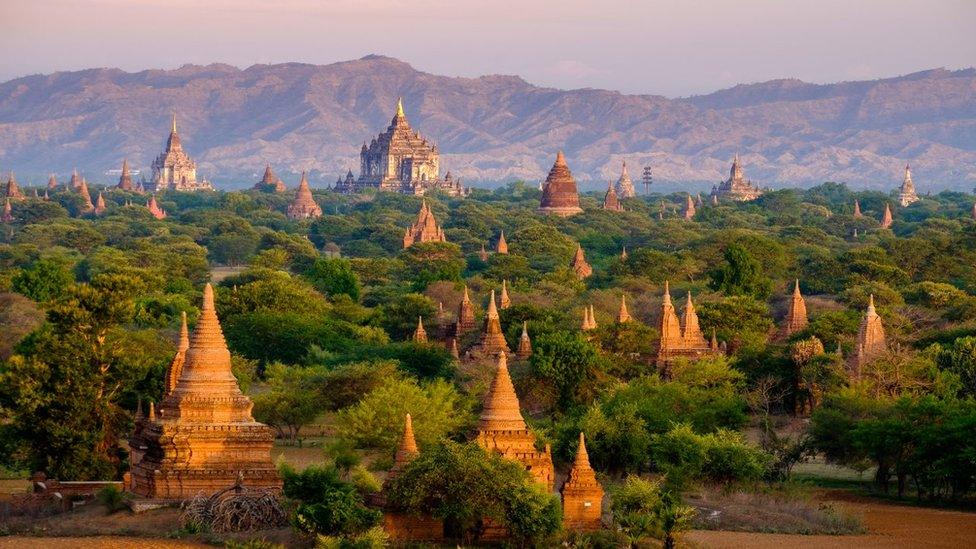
{"x":493,"y":128}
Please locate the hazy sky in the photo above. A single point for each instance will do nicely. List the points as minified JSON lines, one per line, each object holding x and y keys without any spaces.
{"x":668,"y":47}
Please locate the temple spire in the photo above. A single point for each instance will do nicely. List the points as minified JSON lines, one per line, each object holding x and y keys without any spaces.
{"x":184,"y":343}
{"x":173,"y":130}
{"x":501,"y":410}
{"x":420,"y":335}
{"x":506,"y":302}
{"x":406,"y":451}
{"x":399,"y":108}
{"x":525,"y":344}
{"x":623,"y":315}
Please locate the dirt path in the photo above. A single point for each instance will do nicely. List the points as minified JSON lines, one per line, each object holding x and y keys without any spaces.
{"x":888,"y":525}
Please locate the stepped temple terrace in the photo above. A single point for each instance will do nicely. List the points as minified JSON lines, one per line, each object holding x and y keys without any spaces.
{"x":736,"y":187}
{"x":559,"y":194}
{"x":401,"y":160}
{"x":203,"y":437}
{"x":174,"y":170}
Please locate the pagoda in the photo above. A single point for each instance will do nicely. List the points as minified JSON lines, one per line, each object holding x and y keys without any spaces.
{"x":502,"y":429}
{"x":483,"y":254}
{"x":100,"y":204}
{"x":125,"y":180}
{"x":504,"y":301}
{"x":270,"y":183}
{"x":502,"y":246}
{"x":870,"y":337}
{"x":492,"y":339}
{"x":8,"y":212}
{"x":623,"y":315}
{"x":679,"y":338}
{"x":857,"y":209}
{"x":52,"y":182}
{"x":75,"y":180}
{"x":906,"y":193}
{"x":401,"y":160}
{"x":610,"y":201}
{"x":87,"y":205}
{"x":174,"y":170}
{"x":204,"y":438}
{"x":425,"y":229}
{"x":796,"y":316}
{"x":625,"y":187}
{"x":582,"y":494}
{"x":304,"y":206}
{"x":465,"y":318}
{"x":886,"y":220}
{"x":736,"y":187}
{"x":559,"y":194}
{"x":579,"y":264}
{"x":689,"y":212}
{"x":12,"y":189}
{"x":154,"y":208}
{"x":589,"y":319}
{"x":524,"y":351}
{"x":420,"y":335}
{"x":398,"y":525}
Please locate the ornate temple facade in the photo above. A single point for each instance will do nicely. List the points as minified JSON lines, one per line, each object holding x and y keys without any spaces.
{"x":304,"y":206}
{"x":906,"y":193}
{"x":870,"y":338}
{"x":796,"y":314}
{"x":625,"y":187}
{"x":502,"y":429}
{"x":203,"y":437}
{"x":736,"y":187}
{"x":270,"y":183}
{"x":174,"y":170}
{"x":582,"y":494}
{"x":425,"y":229}
{"x":682,"y":338}
{"x":400,"y":160}
{"x":559,"y":194}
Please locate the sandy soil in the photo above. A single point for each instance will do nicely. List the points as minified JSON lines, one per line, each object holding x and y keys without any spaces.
{"x":888,"y":525}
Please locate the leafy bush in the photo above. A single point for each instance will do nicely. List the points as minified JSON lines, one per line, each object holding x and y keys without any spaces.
{"x":327,"y":504}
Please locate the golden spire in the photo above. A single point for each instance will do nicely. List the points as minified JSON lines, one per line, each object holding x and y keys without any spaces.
{"x":399,"y":110}
{"x":501,"y":411}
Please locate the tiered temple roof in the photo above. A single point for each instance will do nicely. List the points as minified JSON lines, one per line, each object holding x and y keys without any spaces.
{"x":680,"y":339}
{"x":425,"y":229}
{"x":465,"y":319}
{"x":796,"y":315}
{"x":502,"y":428}
{"x":736,"y":187}
{"x":12,"y":189}
{"x":906,"y":193}
{"x":870,"y":337}
{"x":154,"y":208}
{"x":886,"y":219}
{"x":502,"y":246}
{"x":304,"y":206}
{"x":579,"y":264}
{"x":173,"y":169}
{"x":559,"y":194}
{"x":492,"y":338}
{"x":582,"y":494}
{"x":270,"y":183}
{"x":610,"y":200}
{"x":204,"y":438}
{"x":125,"y":180}
{"x":625,"y":187}
{"x":525,"y":344}
{"x":401,"y":160}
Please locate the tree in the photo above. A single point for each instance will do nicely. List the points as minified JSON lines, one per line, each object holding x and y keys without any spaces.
{"x":334,"y":276}
{"x":290,"y":404}
{"x":43,"y":281}
{"x":428,"y":262}
{"x":327,"y":505}
{"x":742,"y":275}
{"x":960,"y":359}
{"x":643,"y":508}
{"x":567,"y":360}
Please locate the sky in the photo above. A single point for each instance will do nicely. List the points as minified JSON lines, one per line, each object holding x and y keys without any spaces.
{"x":673,"y":48}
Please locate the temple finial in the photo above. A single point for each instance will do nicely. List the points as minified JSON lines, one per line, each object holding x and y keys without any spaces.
{"x":174,"y":123}
{"x":399,"y":111}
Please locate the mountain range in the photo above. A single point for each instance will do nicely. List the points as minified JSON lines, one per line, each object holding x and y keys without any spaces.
{"x":493,"y":128}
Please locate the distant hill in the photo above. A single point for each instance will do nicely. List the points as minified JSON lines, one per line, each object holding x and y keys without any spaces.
{"x":492,"y":128}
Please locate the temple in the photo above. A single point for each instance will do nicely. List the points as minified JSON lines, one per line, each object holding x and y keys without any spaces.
{"x":870,"y":338}
{"x":52,"y":182}
{"x":582,"y":494}
{"x":736,"y":187}
{"x":8,"y":212}
{"x":420,"y":335}
{"x":154,"y":208}
{"x":100,"y":204}
{"x":502,"y":246}
{"x":579,"y":264}
{"x":679,"y":338}
{"x":610,"y":201}
{"x":270,"y":183}
{"x":12,"y":189}
{"x":623,"y":315}
{"x":425,"y":229}
{"x":304,"y":206}
{"x":203,"y":438}
{"x":502,"y":429}
{"x":524,"y":351}
{"x":75,"y":180}
{"x":886,"y":219}
{"x":401,"y":160}
{"x":465,"y":318}
{"x":87,"y":205}
{"x":559,"y":194}
{"x":625,"y":187}
{"x":906,"y":193}
{"x":796,"y":315}
{"x":125,"y":180}
{"x":173,"y":170}
{"x":857,"y":209}
{"x":690,"y":211}
{"x":492,"y":339}
{"x":401,"y":526}
{"x":504,"y":301}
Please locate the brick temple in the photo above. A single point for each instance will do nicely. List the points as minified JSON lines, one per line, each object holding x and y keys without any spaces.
{"x":174,"y":170}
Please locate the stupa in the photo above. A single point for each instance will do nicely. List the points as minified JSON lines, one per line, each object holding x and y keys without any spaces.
{"x":100,"y":204}
{"x":502,"y":428}
{"x":12,"y":189}
{"x":582,"y":494}
{"x":52,"y":182}
{"x":270,"y":183}
{"x":796,"y":316}
{"x":579,"y":264}
{"x":86,"y":205}
{"x":125,"y":179}
{"x":75,"y":180}
{"x":625,"y":187}
{"x":401,"y":526}
{"x":420,"y":335}
{"x":425,"y":229}
{"x":492,"y":338}
{"x":679,"y":338}
{"x":857,"y":209}
{"x":8,"y":212}
{"x":736,"y":187}
{"x":906,"y":193}
{"x":502,"y":246}
{"x":154,"y":208}
{"x":524,"y":351}
{"x":559,"y":194}
{"x":504,"y":301}
{"x":174,"y":170}
{"x":610,"y":201}
{"x":870,"y":337}
{"x":465,"y":319}
{"x":304,"y":206}
{"x":204,"y":438}
{"x":689,"y":212}
{"x":623,"y":315}
{"x":886,"y":219}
